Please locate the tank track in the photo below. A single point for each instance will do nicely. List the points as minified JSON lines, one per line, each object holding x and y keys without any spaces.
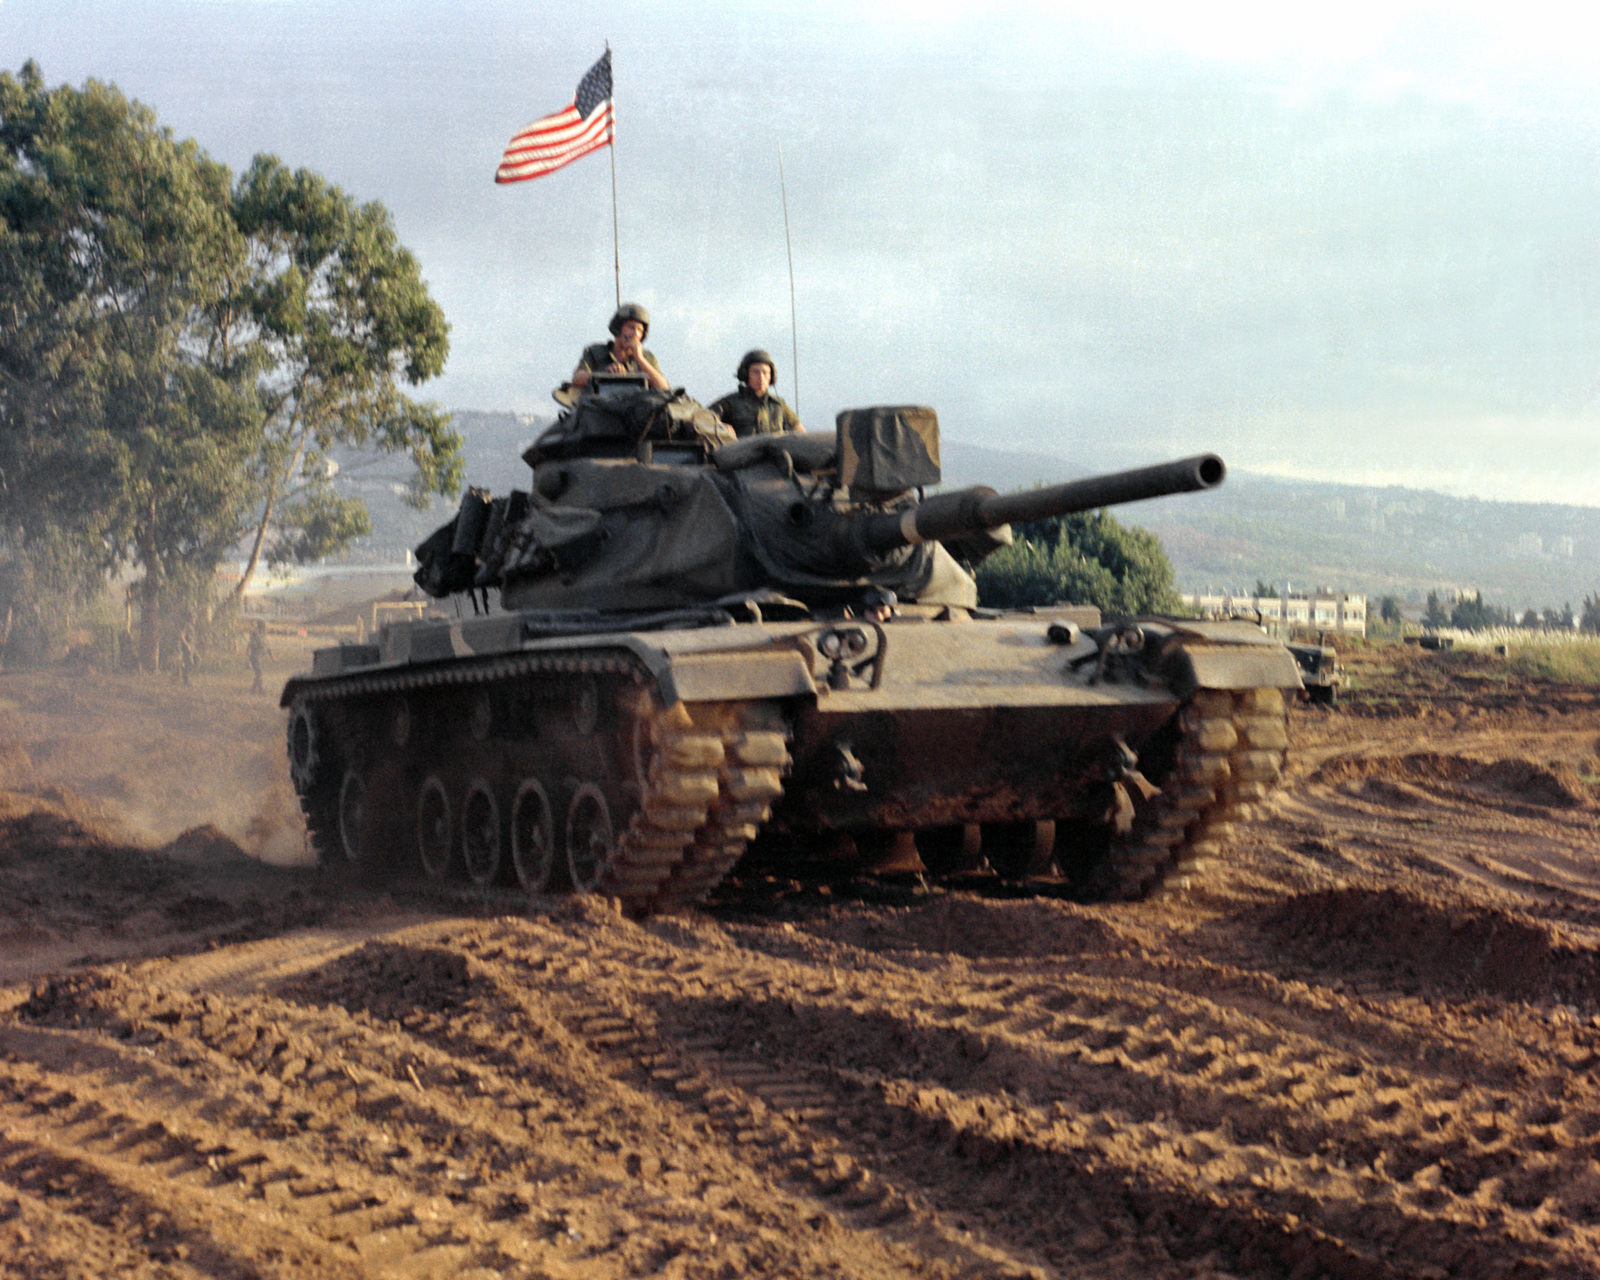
{"x":755,"y":760}
{"x":685,"y":790}
{"x":678,"y":782}
{"x":1230,"y":753}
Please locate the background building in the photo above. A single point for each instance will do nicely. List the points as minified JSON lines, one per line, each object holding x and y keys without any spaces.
{"x":1319,"y":610}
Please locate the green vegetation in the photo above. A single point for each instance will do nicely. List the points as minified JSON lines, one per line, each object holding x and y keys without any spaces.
{"x":179,"y":354}
{"x":1087,"y":558}
{"x":1574,"y":662}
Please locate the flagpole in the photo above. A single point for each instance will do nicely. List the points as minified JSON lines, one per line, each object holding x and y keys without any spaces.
{"x":794,"y":332}
{"x":616,"y":251}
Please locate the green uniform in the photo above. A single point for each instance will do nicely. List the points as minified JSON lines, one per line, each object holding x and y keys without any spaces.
{"x":752,"y":415}
{"x":598,"y":357}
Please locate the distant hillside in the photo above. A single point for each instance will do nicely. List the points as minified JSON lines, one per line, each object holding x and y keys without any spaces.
{"x":493,"y":445}
{"x":1381,"y":541}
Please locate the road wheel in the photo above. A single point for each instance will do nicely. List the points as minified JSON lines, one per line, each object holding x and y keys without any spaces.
{"x":480,"y":834}
{"x":353,"y":815}
{"x":590,"y":838}
{"x":533,"y":837}
{"x":435,"y":836}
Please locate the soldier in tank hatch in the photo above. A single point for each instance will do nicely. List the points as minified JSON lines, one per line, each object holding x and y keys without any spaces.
{"x":753,"y":409}
{"x":625,"y":352}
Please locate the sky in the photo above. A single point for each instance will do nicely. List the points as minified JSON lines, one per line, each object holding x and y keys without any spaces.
{"x":1361,"y":247}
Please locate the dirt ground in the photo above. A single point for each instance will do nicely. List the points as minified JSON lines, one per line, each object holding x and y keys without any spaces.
{"x":1365,"y":1048}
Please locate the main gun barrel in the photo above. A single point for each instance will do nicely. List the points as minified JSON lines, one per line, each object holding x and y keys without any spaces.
{"x":967,"y":511}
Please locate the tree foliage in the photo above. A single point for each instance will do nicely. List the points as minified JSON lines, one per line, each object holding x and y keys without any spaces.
{"x":334,"y":316}
{"x":1435,"y":615}
{"x":1470,"y":613}
{"x":178,"y":354}
{"x":1085,"y":558}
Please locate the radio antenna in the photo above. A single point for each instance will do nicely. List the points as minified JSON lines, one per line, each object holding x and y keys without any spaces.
{"x":794,"y":332}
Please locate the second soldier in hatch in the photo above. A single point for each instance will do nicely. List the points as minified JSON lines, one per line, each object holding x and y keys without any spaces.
{"x":753,"y":410}
{"x":625,"y":352}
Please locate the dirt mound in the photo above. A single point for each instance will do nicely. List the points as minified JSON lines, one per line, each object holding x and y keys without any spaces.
{"x":1531,"y":783}
{"x":205,"y":844}
{"x":390,"y":981}
{"x":1456,"y":950}
{"x":1517,"y":781}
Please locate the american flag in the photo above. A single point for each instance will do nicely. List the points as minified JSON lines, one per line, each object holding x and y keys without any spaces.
{"x":585,"y":125}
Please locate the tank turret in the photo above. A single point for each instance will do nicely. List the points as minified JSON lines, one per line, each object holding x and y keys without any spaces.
{"x":683,"y":650}
{"x":637,"y":502}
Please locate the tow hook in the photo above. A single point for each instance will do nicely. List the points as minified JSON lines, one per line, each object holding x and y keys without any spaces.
{"x":1130,"y":789}
{"x":848,"y":772}
{"x":1124,"y":642}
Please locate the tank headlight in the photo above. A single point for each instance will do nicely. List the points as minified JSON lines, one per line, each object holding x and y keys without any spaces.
{"x":842,"y":642}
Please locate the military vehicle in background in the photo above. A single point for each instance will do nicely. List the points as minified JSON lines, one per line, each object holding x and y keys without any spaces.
{"x":1319,"y":671}
{"x":699,"y":641}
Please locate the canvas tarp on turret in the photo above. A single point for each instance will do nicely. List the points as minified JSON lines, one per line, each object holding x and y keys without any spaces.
{"x":606,"y":536}
{"x":888,"y":449}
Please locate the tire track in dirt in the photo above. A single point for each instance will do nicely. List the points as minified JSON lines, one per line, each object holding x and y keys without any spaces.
{"x":378,"y":1115}
{"x":1369,"y":1049}
{"x":1246,"y":1141}
{"x":1376,"y":826}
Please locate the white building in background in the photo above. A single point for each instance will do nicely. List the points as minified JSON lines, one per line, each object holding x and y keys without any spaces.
{"x":1319,"y":610}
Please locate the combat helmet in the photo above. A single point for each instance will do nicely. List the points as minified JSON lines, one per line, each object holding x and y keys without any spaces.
{"x":630,"y":311}
{"x":757,"y":356}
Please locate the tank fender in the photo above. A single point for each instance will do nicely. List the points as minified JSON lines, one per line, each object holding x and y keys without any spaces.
{"x":1218,"y":656}
{"x":725,"y":677}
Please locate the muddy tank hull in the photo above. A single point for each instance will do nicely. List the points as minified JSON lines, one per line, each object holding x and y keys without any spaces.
{"x":643,"y":763}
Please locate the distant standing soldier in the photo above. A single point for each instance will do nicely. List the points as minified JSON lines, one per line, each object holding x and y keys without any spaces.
{"x":753,"y":410}
{"x":186,"y":650}
{"x":255,"y":652}
{"x":625,"y":352}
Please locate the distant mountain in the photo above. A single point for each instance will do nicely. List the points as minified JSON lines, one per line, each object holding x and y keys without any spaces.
{"x":492,"y":444}
{"x":1380,"y":541}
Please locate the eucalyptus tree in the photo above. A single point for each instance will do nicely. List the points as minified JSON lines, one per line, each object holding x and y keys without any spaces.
{"x":179,"y":353}
{"x":118,"y":437}
{"x":332,"y":319}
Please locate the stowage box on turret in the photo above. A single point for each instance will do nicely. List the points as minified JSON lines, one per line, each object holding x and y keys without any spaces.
{"x":673,"y":643}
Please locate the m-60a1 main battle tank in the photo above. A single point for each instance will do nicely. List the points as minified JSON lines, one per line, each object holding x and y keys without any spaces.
{"x":701,"y":642}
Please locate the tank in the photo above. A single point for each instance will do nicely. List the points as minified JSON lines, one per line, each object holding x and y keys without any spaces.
{"x":675,"y":647}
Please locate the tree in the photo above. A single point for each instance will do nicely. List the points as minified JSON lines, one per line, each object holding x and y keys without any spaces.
{"x":178,"y":355}
{"x":121,"y":438}
{"x":1590,"y":621}
{"x":1265,"y":590}
{"x":1085,"y":558}
{"x":1472,"y":614}
{"x":1435,"y":616}
{"x":1389,"y":610}
{"x":332,"y":319}
{"x":1530,"y":620}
